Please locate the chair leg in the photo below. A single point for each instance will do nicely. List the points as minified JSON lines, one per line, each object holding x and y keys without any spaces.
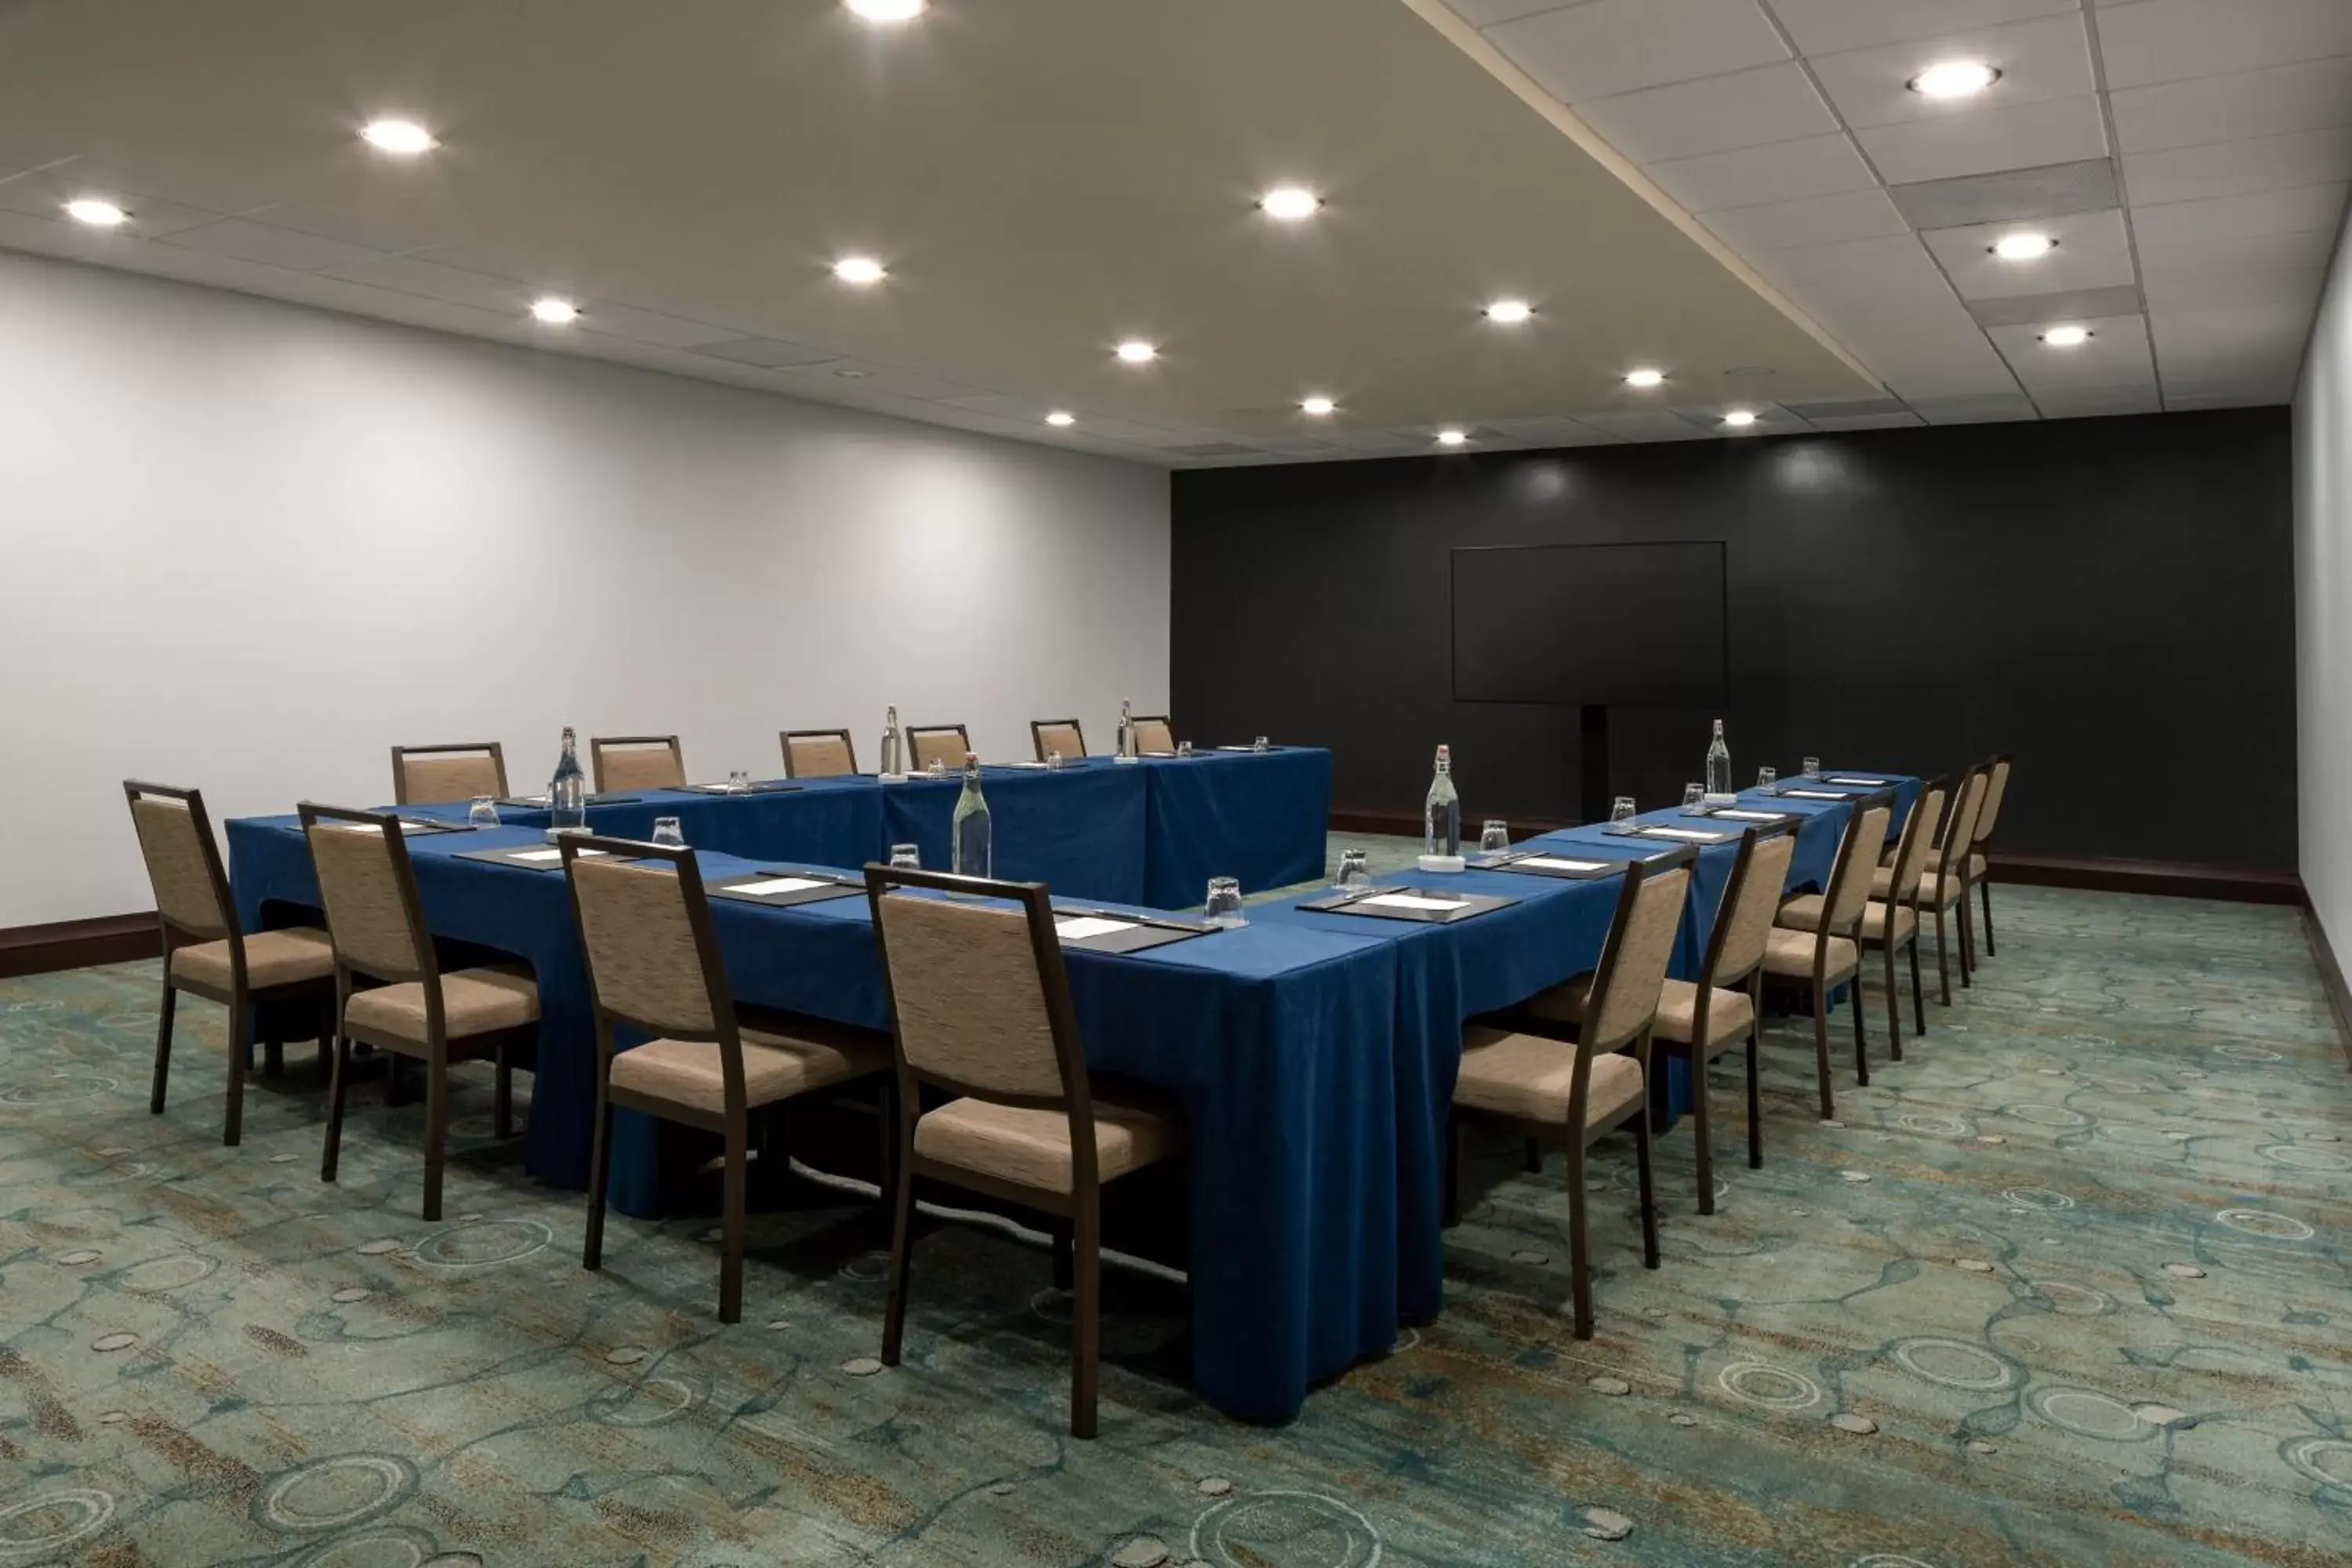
{"x":600,"y":1161}
{"x":1579,"y":1273}
{"x":902,"y":1221}
{"x":1943,"y":958}
{"x":273,"y":1057}
{"x":1894,"y":1004}
{"x":1984,"y":889}
{"x":1642,"y":1136}
{"x":1967,"y":939}
{"x":1085,"y":1317}
{"x":1821,"y":1048}
{"x":1063,"y":1243}
{"x":341,"y":1074}
{"x":731,"y":1225}
{"x":1535,"y":1157}
{"x":162,"y":1048}
{"x":437,"y":1127}
{"x":1860,"y":1032}
{"x":1755,"y":1102}
{"x":502,"y":1097}
{"x":240,"y":1046}
{"x":1700,"y":1132}
{"x":1918,"y":992}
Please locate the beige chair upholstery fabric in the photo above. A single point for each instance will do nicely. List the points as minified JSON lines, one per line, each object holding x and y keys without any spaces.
{"x":948,"y":745}
{"x":1789,"y":955}
{"x":775,"y":1066}
{"x":970,"y":1002}
{"x":1805,"y":914}
{"x":818,"y":757}
{"x":641,"y":955}
{"x":1066,"y":738}
{"x":359,"y":886}
{"x":1729,"y":1015}
{"x":1154,"y":735}
{"x":638,"y":767}
{"x":177,"y":865}
{"x":1917,"y":848}
{"x":1941,"y":891}
{"x":473,"y":1002}
{"x":442,"y":778}
{"x":1975,"y":867}
{"x":1530,"y":1078}
{"x":1853,"y":891}
{"x":1759,"y":897}
{"x":1644,"y":948}
{"x":272,"y":958}
{"x":1989,"y":813}
{"x":1032,"y":1148}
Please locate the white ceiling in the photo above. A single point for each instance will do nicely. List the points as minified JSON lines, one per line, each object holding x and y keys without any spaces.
{"x":2190,"y":156}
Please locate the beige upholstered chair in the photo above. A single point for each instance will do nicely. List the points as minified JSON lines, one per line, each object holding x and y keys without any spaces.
{"x":949,"y":743}
{"x":1155,"y":734}
{"x":377,"y":924}
{"x":1061,"y":735}
{"x":1943,"y":884}
{"x":258,"y":977}
{"x":980,"y":1008}
{"x":654,"y":968}
{"x":1890,"y":921}
{"x":1535,"y":1085}
{"x":458,"y":772}
{"x":1979,"y":870}
{"x":1726,"y":1009}
{"x":1827,"y":953}
{"x":636,"y":761}
{"x":818,"y":753}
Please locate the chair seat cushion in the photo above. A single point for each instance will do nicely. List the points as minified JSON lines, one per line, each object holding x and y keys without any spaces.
{"x":1976,"y":865}
{"x":1032,"y":1148}
{"x":1882,"y":883}
{"x":1938,"y":891}
{"x":1804,"y":914}
{"x":473,"y":1002}
{"x":272,"y":958}
{"x":1788,"y":954}
{"x":1563,"y":1003}
{"x":775,"y":1066}
{"x":1728,"y":1016}
{"x":1529,"y":1077}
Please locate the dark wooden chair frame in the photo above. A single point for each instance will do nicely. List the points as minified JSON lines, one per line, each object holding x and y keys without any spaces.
{"x":241,"y":998}
{"x":1849,"y":846}
{"x":1952,"y":860}
{"x":1752,"y":980}
{"x":1037,"y":728}
{"x":914,"y":731}
{"x":1078,"y":1215}
{"x":400,"y":755}
{"x":784,"y":738}
{"x":597,"y":743}
{"x":1578,"y":1135}
{"x":1917,"y":823}
{"x":439,"y":1049}
{"x":1988,"y":818}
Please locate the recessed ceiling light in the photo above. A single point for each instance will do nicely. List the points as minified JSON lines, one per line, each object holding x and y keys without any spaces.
{"x":1644,"y":378}
{"x":1135,"y":351}
{"x":1318,"y":405}
{"x":1290,"y":203}
{"x":860,"y":270}
{"x":2067,"y":337}
{"x":1954,"y":78}
{"x":1510,"y":313}
{"x":402,"y":138}
{"x":555,"y":313}
{"x":95,"y":213}
{"x":886,"y":10}
{"x":1453,"y":438}
{"x":2026,"y":245}
{"x":1740,"y":418}
{"x":1061,"y":420}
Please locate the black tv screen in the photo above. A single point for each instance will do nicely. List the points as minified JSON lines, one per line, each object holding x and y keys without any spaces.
{"x":1590,"y":625}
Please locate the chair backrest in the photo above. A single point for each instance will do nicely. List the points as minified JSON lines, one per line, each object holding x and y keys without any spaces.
{"x":1960,"y":826}
{"x":1155,"y":734}
{"x":1857,"y":860}
{"x":1918,"y":842}
{"x":818,"y":753}
{"x":645,"y":927}
{"x":1743,"y":921}
{"x":636,"y":761}
{"x":457,"y":772}
{"x":1634,"y":960}
{"x":948,"y":742}
{"x":1990,"y":812}
{"x":1061,"y":735}
{"x":369,"y":890}
{"x":183,"y":863}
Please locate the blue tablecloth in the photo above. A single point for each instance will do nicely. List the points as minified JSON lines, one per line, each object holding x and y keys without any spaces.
{"x":1079,"y":829}
{"x":1259,"y":816}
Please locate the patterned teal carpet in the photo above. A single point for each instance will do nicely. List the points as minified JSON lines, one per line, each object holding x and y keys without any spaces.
{"x":2066,"y":1286}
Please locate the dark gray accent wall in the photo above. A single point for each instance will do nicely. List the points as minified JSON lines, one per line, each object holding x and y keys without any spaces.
{"x":2109,"y":600}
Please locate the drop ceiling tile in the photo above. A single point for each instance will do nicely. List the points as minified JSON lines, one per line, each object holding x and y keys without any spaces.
{"x":1883,"y":275}
{"x":1004,"y":406}
{"x":2262,"y":302}
{"x":1819,"y":409}
{"x":100,"y":177}
{"x":2059,"y":305}
{"x":2311,"y":95}
{"x":1606,"y":46}
{"x":1786,"y":171}
{"x":2039,"y":61}
{"x":2238,"y":168}
{"x":1825,"y":27}
{"x":1383,"y":440}
{"x":1813,"y":220}
{"x":1640,"y":425}
{"x":2094,"y":252}
{"x":1978,"y":410}
{"x":769,"y":353}
{"x":1869,"y":421}
{"x":44,"y":194}
{"x":1984,"y":374}
{"x":2169,"y":40}
{"x":2115,"y":355}
{"x":2099,"y":402}
{"x":2265,"y":255}
{"x":2246,"y":398}
{"x":2010,"y":196}
{"x":881,"y":381}
{"x":1554,"y":432}
{"x":17,"y":158}
{"x":1745,"y":109}
{"x":1484,"y":13}
{"x":2260,"y":212}
{"x":246,"y":240}
{"x":1984,"y":141}
{"x":625,"y":321}
{"x":432,"y":280}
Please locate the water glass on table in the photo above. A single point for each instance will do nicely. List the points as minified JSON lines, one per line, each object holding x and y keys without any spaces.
{"x":905,"y":857}
{"x":1766,"y":777}
{"x":1260,"y":744}
{"x":738,"y":782}
{"x":1621,"y":809}
{"x":939,"y":768}
{"x":1495,"y":838}
{"x":484,"y":812}
{"x":1812,"y":767}
{"x":1693,"y":795}
{"x":1225,"y":903}
{"x":1355,"y":871}
{"x":668,"y":834}
{"x":1052,"y":759}
{"x":1184,"y":751}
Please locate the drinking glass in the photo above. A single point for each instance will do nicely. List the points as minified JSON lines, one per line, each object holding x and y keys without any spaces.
{"x":1495,"y":836}
{"x":738,"y":782}
{"x":668,"y":834}
{"x":905,"y":857}
{"x":1260,"y":744}
{"x":1693,"y":794}
{"x":1224,"y":905}
{"x":1183,"y":751}
{"x":1812,"y":767}
{"x":485,"y":812}
{"x":1766,"y":777}
{"x":1052,"y":759}
{"x":939,"y":768}
{"x":1355,"y":871}
{"x":1621,"y":809}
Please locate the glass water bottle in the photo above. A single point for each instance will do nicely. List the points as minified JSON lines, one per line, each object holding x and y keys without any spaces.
{"x":1718,"y":763}
{"x":567,"y":792}
{"x":890,"y":742}
{"x":971,"y":848}
{"x":1440,"y":814}
{"x":1126,"y":729}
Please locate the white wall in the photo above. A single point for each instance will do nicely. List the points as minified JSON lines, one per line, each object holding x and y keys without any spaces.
{"x":249,"y":546}
{"x":2323,"y":611}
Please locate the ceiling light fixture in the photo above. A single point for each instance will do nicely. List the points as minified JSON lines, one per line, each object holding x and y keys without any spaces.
{"x":1290,"y":203}
{"x":1061,"y":420}
{"x":1954,"y":78}
{"x":1739,"y":418}
{"x":885,"y":10}
{"x":1135,"y":351}
{"x":2069,"y":337}
{"x":1644,"y":378}
{"x":860,"y":270}
{"x":97,"y":214}
{"x":1510,"y":313}
{"x":1318,"y":405}
{"x":553,"y":312}
{"x":401,"y":138}
{"x":1453,"y":438}
{"x":2023,"y":245}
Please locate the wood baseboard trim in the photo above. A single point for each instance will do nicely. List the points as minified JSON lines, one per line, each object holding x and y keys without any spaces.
{"x":2331,"y":978}
{"x":77,"y":944}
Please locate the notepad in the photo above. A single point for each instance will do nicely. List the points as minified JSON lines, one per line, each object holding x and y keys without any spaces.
{"x":1813,"y":794}
{"x":778,"y":885}
{"x":1554,"y":863}
{"x":1693,"y":834}
{"x":1866,"y":783}
{"x":546,"y":855}
{"x":1410,"y":902}
{"x":1085,"y":926}
{"x":1739,"y":815}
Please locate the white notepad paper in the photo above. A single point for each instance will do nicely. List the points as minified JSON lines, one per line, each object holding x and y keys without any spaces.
{"x":778,"y":885}
{"x":1085,"y":926}
{"x":1554,"y":863}
{"x":552,"y":853}
{"x":1408,"y":901}
{"x":1737,"y":815}
{"x":1690,"y":833}
{"x":1813,"y":794}
{"x":1871,"y":784}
